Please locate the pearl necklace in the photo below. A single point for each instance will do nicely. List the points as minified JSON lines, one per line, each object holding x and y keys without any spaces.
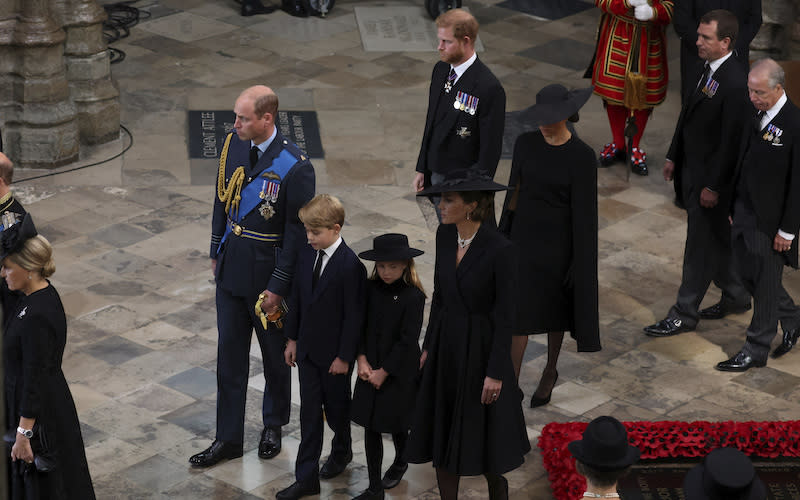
{"x":464,"y":242}
{"x":589,"y":494}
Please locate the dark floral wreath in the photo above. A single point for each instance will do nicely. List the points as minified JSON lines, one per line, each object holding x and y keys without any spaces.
{"x":662,"y":440}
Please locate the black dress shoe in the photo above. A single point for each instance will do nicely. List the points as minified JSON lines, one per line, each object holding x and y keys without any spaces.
{"x":536,"y":401}
{"x":720,"y":310}
{"x":270,"y":443}
{"x":393,"y":475}
{"x":371,"y":494}
{"x":667,"y":327}
{"x":741,"y":362}
{"x":254,"y":7}
{"x":298,"y":490}
{"x":789,"y":340}
{"x":219,"y":450}
{"x":335,"y":466}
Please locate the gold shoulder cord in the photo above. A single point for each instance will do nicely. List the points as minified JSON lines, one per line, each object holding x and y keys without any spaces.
{"x":232,"y":195}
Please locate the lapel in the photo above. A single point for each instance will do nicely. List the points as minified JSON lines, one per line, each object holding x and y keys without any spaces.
{"x":718,"y":76}
{"x":473,"y":255}
{"x":330,"y":272}
{"x":466,"y":84}
{"x":272,"y":152}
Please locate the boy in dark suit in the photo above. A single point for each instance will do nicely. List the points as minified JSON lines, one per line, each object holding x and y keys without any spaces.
{"x":323,"y":327}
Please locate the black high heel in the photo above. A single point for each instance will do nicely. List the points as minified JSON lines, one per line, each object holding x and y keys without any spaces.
{"x":537,"y":402}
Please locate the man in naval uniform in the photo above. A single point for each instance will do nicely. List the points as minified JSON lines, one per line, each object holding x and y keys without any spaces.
{"x":255,"y":233}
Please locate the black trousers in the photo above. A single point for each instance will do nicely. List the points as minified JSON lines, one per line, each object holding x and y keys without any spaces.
{"x":236,"y":320}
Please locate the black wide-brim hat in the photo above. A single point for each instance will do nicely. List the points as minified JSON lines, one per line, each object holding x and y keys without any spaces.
{"x":391,"y":246}
{"x":461,"y":180}
{"x":726,"y":473}
{"x":555,"y":103}
{"x":605,"y":445}
{"x":14,"y":237}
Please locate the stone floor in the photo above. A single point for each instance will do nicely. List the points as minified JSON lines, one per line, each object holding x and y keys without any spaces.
{"x":132,"y":236}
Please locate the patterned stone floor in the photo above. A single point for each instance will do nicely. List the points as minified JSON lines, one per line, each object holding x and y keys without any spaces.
{"x":132,"y":235}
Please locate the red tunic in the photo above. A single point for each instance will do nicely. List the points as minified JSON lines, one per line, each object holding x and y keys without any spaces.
{"x":615,"y":39}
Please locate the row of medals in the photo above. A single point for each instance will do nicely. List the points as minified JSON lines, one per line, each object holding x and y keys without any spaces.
{"x":266,"y":209}
{"x":466,"y":102}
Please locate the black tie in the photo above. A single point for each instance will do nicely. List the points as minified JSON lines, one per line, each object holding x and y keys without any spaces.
{"x":317,"y":269}
{"x":704,"y":78}
{"x":759,"y":117}
{"x":253,"y":156}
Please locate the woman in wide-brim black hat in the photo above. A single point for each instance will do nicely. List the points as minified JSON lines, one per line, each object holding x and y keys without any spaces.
{"x":468,"y":420}
{"x":550,"y":212}
{"x":724,"y":473}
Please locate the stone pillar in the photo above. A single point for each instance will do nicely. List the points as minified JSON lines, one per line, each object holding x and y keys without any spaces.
{"x":773,"y":40}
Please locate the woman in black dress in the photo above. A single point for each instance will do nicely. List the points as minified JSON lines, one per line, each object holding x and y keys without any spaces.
{"x":550,"y":212}
{"x":468,"y":419}
{"x":40,"y":411}
{"x":388,"y":358}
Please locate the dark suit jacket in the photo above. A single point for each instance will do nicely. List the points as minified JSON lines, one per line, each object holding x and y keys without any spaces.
{"x":706,"y":129}
{"x":770,"y":173}
{"x":328,"y":321}
{"x":481,"y":139}
{"x":247,"y":267}
{"x":686,"y":18}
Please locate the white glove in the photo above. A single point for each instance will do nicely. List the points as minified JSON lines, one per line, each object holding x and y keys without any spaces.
{"x":644,"y":13}
{"x":637,"y":3}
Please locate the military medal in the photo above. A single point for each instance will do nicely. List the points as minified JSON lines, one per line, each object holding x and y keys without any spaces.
{"x":266,"y":210}
{"x":463,"y":132}
{"x":263,"y":193}
{"x":711,"y":87}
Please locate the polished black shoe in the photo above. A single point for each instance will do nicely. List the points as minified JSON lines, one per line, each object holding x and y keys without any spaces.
{"x":218,"y":451}
{"x":393,"y":475}
{"x":536,"y":401}
{"x":371,"y":494}
{"x":667,"y":327}
{"x":720,"y":310}
{"x":270,"y":443}
{"x":335,"y":466}
{"x":254,"y":7}
{"x":298,"y":490}
{"x":789,"y":340}
{"x":741,"y":362}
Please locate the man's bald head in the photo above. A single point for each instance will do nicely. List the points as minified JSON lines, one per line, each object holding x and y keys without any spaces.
{"x":264,"y":99}
{"x":6,"y":169}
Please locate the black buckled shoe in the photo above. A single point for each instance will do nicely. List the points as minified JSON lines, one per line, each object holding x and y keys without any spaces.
{"x":270,"y":443}
{"x":218,"y":451}
{"x":335,"y":466}
{"x":254,"y":7}
{"x":789,"y":340}
{"x":741,"y":362}
{"x":667,"y":327}
{"x":298,"y":490}
{"x":393,"y":476}
{"x":371,"y":494}
{"x":720,"y":310}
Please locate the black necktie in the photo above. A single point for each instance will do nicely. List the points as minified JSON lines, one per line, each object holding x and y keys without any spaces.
{"x":759,"y":117}
{"x":317,"y":269}
{"x":704,"y":77}
{"x":253,"y":156}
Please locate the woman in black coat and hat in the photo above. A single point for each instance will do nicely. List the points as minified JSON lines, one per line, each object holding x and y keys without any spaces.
{"x":550,"y":212}
{"x":47,"y":455}
{"x":388,"y":357}
{"x":468,"y":419}
{"x":725,"y":473}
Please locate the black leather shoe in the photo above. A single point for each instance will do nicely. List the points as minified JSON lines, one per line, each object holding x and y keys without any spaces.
{"x":370,"y":494}
{"x":335,"y":466}
{"x":789,"y":340}
{"x":741,"y":362}
{"x":254,"y":7}
{"x":667,"y":327}
{"x":720,"y":310}
{"x":219,"y":450}
{"x":270,"y":443}
{"x":298,"y":490}
{"x":393,"y":475}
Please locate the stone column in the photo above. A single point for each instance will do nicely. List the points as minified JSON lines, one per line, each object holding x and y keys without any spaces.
{"x":773,"y":40}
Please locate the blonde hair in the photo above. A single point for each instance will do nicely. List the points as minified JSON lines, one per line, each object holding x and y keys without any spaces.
{"x":324,"y":210}
{"x":36,"y":255}
{"x":410,"y":276}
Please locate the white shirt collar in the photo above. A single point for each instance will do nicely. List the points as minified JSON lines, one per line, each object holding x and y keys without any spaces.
{"x":332,"y":249}
{"x":715,"y":64}
{"x":461,"y":68}
{"x":264,"y":145}
{"x":774,"y":110}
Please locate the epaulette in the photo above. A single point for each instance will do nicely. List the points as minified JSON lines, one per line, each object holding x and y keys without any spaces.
{"x":292,"y":148}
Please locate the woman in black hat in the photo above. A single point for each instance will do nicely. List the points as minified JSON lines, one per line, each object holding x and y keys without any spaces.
{"x":603,"y":456}
{"x":550,"y":212}
{"x":45,"y":432}
{"x":468,"y":419}
{"x":726,"y":473}
{"x":388,"y":357}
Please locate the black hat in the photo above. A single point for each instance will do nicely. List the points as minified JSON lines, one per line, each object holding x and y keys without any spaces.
{"x":725,"y":474}
{"x":464,"y":179}
{"x":605,"y":445}
{"x":392,"y":246}
{"x":13,"y":237}
{"x":555,"y":103}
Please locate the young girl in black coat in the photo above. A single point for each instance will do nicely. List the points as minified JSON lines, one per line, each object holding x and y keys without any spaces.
{"x":388,"y":358}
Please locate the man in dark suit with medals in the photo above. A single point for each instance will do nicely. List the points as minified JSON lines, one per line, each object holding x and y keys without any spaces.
{"x":263,"y":181}
{"x":466,"y":106}
{"x":766,"y":216}
{"x":702,"y":162}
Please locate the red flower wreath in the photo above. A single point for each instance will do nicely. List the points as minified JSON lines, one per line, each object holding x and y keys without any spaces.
{"x":659,"y":440}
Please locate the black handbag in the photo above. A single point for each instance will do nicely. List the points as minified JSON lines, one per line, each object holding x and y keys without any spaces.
{"x":43,"y":457}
